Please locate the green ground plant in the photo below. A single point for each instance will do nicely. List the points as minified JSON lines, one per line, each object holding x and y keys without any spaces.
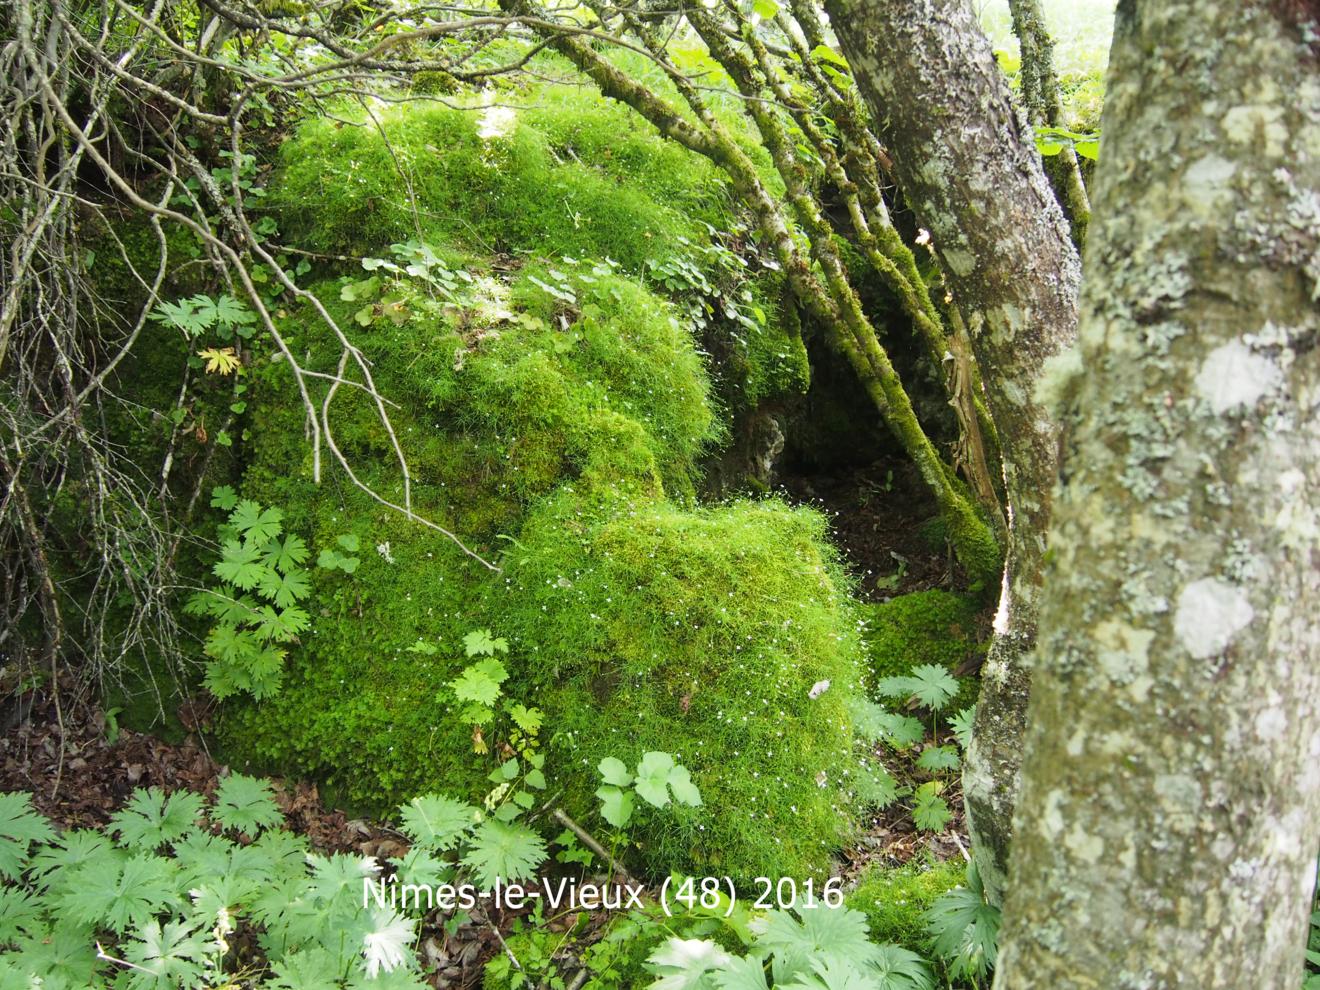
{"x":158,"y":899}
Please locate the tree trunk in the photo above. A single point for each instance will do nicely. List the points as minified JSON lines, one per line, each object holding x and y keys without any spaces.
{"x":1170,"y":807}
{"x":1040,"y":94}
{"x":944,"y":112}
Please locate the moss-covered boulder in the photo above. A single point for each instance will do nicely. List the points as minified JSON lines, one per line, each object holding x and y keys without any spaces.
{"x":701,"y":632}
{"x":554,"y":413}
{"x":635,"y":624}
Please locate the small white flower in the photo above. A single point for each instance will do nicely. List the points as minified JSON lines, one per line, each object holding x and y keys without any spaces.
{"x":384,"y":550}
{"x":384,"y":946}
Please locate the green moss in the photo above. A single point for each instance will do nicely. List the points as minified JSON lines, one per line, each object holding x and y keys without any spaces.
{"x":565,"y":434}
{"x":570,"y":175}
{"x":776,"y":356}
{"x":357,"y":187}
{"x":700,"y":633}
{"x":925,"y":627}
{"x":894,"y":899}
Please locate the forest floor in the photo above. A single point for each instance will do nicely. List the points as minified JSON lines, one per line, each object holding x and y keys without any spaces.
{"x":877,"y":514}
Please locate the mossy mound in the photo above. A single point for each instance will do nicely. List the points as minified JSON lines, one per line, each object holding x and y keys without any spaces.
{"x":700,"y":633}
{"x":925,"y":627}
{"x":544,"y":171}
{"x":895,"y":899}
{"x":558,"y":173}
{"x":554,"y":418}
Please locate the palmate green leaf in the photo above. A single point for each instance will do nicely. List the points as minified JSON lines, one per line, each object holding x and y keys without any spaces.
{"x":245,"y":804}
{"x":436,"y":822}
{"x":20,"y":826}
{"x":283,"y":908}
{"x":480,"y":683}
{"x":822,"y":933}
{"x":312,"y":968}
{"x":335,"y":874}
{"x":227,"y":310}
{"x":933,"y":685}
{"x":65,"y":957}
{"x":150,"y":819}
{"x":184,"y":315}
{"x":930,"y":812}
{"x":876,"y":787}
{"x":832,"y":974}
{"x":206,"y":860}
{"x":223,"y":497}
{"x":286,"y":555}
{"x":686,"y":964}
{"x":901,"y":731}
{"x":474,"y":714}
{"x":961,"y":724}
{"x":527,"y":719}
{"x":224,"y":680}
{"x":939,"y":758}
{"x":217,"y":896}
{"x":964,"y":929}
{"x":505,"y":850}
{"x":285,"y":851}
{"x":479,"y":642}
{"x":229,"y":644}
{"x":255,"y":524}
{"x":281,"y":625}
{"x":165,"y":958}
{"x":897,"y":968}
{"x":240,"y":564}
{"x":21,"y":913}
{"x":418,"y":866}
{"x":53,"y":864}
{"x":128,"y":896}
{"x":868,"y":719}
{"x":285,"y":589}
{"x":740,"y":973}
{"x":398,"y":979}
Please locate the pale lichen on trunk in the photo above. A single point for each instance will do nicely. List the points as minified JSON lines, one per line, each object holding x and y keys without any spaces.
{"x":973,"y":176}
{"x":1170,"y":808}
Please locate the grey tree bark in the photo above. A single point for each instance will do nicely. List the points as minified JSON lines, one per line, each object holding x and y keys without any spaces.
{"x":1170,"y":807}
{"x":970,"y":170}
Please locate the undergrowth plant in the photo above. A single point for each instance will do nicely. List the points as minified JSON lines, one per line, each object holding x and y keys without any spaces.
{"x":964,"y":931}
{"x":176,"y":893}
{"x":258,"y":606}
{"x":818,"y":949}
